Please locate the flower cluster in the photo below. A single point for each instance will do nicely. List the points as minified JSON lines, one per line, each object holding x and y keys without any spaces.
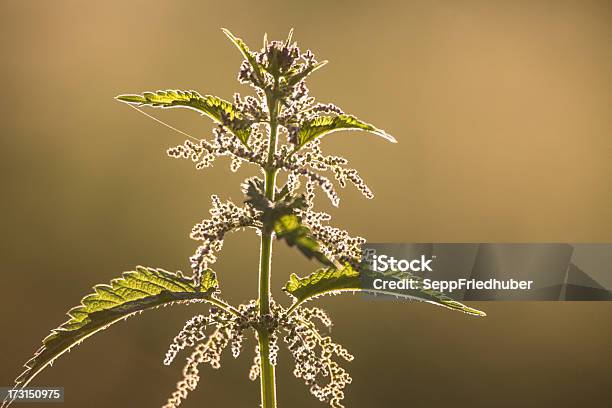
{"x":314,"y":353}
{"x":229,"y":330}
{"x":192,"y":332}
{"x":270,"y":323}
{"x":225,"y":217}
{"x":206,"y":352}
{"x":252,"y":107}
{"x":316,"y":160}
{"x":336,"y":243}
{"x":224,"y":143}
{"x":313,"y":179}
{"x":309,"y":163}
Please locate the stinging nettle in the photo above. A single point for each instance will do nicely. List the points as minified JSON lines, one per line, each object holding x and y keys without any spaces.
{"x":278,"y":129}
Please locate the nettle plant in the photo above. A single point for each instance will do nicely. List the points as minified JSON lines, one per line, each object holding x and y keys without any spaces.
{"x":277,"y":130}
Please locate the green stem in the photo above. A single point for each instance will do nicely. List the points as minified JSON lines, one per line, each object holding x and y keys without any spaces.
{"x":267,"y":375}
{"x":223,"y":306}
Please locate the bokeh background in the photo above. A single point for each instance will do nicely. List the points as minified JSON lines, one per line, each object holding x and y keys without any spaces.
{"x":502,"y":110}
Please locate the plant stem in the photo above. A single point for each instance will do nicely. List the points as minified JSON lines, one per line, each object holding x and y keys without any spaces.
{"x":267,"y":375}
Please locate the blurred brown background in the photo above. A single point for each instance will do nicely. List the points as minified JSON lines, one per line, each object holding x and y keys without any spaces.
{"x":502,"y":110}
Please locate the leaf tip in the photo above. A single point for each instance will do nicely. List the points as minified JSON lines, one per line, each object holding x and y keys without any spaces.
{"x":130,"y":98}
{"x":479,"y":313}
{"x":387,"y":136}
{"x":289,"y":37}
{"x":228,"y":33}
{"x":467,"y":309}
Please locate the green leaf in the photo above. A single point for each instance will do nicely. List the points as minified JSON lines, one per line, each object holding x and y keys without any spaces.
{"x":288,"y":227}
{"x":323,"y":281}
{"x":322,"y":125}
{"x":247,"y":54}
{"x":333,"y":281}
{"x":133,"y":292}
{"x":219,"y":110}
{"x":283,"y":204}
{"x":296,"y":78}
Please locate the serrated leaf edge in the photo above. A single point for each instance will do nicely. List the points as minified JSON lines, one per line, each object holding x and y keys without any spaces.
{"x":198,"y":295}
{"x":329,"y":273}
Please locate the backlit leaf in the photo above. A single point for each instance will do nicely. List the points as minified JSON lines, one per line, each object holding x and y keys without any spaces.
{"x":289,"y":228}
{"x":220,"y":110}
{"x":133,"y":292}
{"x":333,"y":281}
{"x":247,"y":54}
{"x":323,"y":125}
